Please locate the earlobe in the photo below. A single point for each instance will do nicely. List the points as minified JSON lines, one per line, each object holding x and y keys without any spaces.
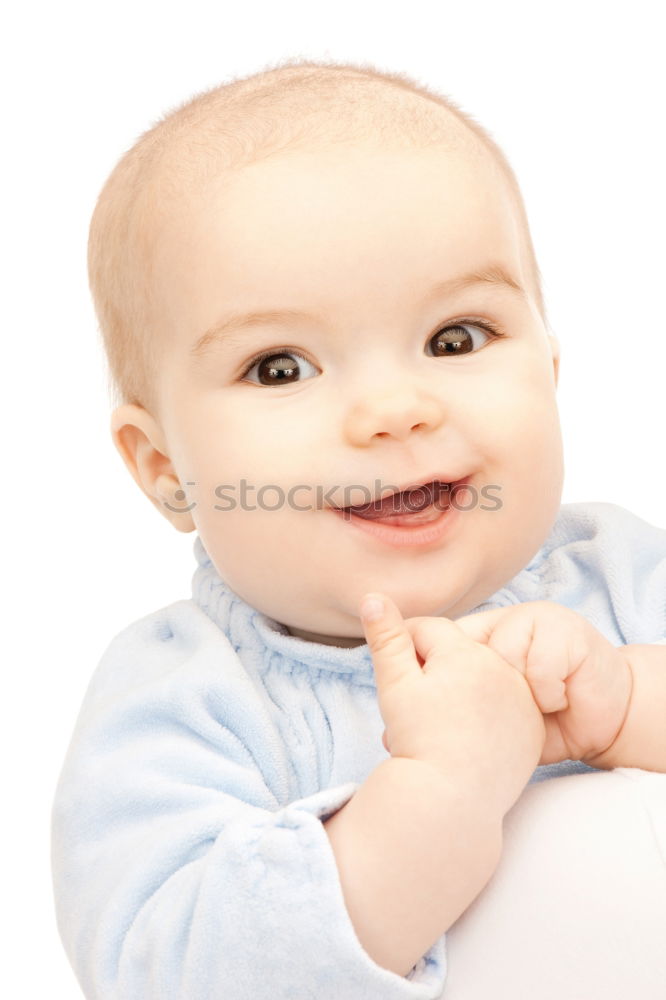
{"x":143,"y":448}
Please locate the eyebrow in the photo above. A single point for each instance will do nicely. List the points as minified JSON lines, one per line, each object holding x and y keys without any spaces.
{"x":494,"y":275}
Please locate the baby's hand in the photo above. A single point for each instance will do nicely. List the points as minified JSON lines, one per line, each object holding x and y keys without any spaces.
{"x":579,"y":680}
{"x":454,"y":705}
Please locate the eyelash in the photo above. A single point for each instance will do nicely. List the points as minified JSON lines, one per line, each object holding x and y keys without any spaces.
{"x":490,"y":328}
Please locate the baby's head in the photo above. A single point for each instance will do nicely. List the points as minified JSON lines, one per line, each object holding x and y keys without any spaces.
{"x":382,"y":236}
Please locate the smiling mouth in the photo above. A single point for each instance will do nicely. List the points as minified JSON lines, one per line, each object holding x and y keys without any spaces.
{"x":428,"y":499}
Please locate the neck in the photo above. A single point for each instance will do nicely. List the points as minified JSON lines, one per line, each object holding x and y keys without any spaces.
{"x":327,"y":640}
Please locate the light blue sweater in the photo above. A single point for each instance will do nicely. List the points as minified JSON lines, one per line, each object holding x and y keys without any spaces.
{"x":189,"y":857}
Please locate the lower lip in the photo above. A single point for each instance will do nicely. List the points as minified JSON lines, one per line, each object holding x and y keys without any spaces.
{"x":402,"y":535}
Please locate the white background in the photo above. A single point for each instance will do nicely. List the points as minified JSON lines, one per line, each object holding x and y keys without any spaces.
{"x":572,"y":92}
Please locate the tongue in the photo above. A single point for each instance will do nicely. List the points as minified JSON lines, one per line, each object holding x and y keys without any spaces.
{"x":408,"y":502}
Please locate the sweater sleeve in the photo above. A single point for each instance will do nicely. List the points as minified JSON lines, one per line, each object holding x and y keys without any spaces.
{"x":646,"y":553}
{"x":629,"y":554}
{"x":179,"y":871}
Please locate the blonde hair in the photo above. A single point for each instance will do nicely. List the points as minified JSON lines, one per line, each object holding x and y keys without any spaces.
{"x":296,"y":102}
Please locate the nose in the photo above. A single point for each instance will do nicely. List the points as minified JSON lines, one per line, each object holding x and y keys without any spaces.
{"x":392,"y":414}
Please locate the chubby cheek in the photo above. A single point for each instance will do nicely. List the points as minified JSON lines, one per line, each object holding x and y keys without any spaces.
{"x":518,"y":423}
{"x":245,"y":517}
{"x":538,"y":464}
{"x":266,"y":558}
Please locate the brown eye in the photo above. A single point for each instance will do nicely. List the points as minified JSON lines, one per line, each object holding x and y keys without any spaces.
{"x":278,"y":368}
{"x":455,"y":339}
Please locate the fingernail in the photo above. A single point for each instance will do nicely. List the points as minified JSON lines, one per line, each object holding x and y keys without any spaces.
{"x":372,"y":609}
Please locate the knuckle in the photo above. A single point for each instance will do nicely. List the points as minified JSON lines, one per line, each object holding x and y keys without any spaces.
{"x":538,"y":672}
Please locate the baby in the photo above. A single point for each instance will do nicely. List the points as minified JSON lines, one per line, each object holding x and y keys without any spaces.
{"x":325,"y":327}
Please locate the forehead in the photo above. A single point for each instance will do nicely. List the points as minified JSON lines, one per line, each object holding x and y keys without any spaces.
{"x":345,"y":222}
{"x":357,"y":179}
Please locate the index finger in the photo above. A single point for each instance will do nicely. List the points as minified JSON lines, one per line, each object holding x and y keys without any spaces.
{"x":390,"y":642}
{"x":399,"y":645}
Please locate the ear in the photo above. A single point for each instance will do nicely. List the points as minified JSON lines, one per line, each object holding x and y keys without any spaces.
{"x":143,"y":448}
{"x":555,"y":351}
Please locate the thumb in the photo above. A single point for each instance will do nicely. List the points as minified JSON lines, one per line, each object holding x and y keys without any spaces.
{"x":390,"y":642}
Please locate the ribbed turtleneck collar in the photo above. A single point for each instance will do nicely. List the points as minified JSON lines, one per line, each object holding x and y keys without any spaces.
{"x":246,"y":627}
